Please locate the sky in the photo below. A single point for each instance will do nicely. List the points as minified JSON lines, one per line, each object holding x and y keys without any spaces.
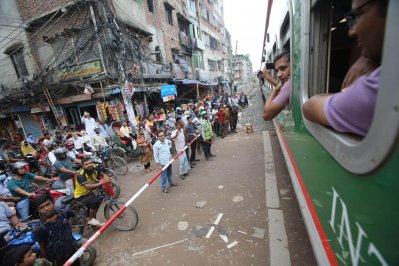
{"x":245,"y":20}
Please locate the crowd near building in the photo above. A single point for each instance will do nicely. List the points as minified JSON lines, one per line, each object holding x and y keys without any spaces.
{"x":114,"y":59}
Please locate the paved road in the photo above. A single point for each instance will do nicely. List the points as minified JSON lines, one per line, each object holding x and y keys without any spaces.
{"x":172,"y":230}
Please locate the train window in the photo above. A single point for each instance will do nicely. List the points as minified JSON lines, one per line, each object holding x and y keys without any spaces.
{"x":329,"y":53}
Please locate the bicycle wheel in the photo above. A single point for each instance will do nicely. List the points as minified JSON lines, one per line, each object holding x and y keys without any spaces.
{"x":127,"y":221}
{"x":118,"y":165}
{"x":89,"y":255}
{"x":118,"y":151}
{"x":111,"y":173}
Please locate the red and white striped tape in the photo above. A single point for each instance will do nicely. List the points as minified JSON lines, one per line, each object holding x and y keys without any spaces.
{"x":80,"y":251}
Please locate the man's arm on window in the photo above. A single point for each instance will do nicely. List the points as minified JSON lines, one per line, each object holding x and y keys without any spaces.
{"x":313,"y":109}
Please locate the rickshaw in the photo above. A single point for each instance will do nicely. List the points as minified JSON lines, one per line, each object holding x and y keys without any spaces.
{"x":110,"y":159}
{"x":119,"y":146}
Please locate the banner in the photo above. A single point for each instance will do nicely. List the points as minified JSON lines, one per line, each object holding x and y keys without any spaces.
{"x":168,"y":98}
{"x":127,"y":94}
{"x":167,"y":90}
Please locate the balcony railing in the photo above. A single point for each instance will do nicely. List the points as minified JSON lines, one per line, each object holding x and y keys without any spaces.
{"x":185,"y":40}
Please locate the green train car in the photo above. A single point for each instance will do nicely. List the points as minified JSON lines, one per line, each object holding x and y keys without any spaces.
{"x":347,"y":186}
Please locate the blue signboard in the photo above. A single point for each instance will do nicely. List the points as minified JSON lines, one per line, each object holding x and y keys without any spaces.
{"x":167,"y":90}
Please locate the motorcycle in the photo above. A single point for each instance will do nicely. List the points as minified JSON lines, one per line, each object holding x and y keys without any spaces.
{"x":25,"y":236}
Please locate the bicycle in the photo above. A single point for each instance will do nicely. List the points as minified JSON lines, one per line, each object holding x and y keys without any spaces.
{"x":127,"y":221}
{"x":117,"y":163}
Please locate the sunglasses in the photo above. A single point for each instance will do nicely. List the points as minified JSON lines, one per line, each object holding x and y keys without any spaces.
{"x":353,"y":15}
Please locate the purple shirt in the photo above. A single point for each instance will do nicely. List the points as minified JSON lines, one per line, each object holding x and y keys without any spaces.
{"x":352,"y":110}
{"x":283,"y":97}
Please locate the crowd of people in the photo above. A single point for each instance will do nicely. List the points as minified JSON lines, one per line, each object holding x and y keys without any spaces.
{"x":155,"y":139}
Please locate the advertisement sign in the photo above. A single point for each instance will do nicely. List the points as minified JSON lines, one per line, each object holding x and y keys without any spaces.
{"x":167,"y":90}
{"x":80,"y":70}
{"x":168,"y":98}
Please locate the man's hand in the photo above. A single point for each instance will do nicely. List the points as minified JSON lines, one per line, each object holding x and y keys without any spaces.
{"x":266,"y":74}
{"x":278,"y":87}
{"x":31,"y":194}
{"x":20,"y":226}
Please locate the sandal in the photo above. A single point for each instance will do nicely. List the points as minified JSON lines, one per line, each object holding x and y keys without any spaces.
{"x":165,"y":190}
{"x":174,"y":185}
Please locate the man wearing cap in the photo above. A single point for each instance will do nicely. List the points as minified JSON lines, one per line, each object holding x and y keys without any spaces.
{"x":185,"y":116}
{"x":98,"y":140}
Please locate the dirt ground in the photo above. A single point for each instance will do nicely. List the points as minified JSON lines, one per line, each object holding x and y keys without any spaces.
{"x":172,"y":230}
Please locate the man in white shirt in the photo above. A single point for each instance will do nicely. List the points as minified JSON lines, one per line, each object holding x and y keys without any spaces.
{"x":89,"y":122}
{"x":86,"y":140}
{"x":48,"y":140}
{"x":185,"y":117}
{"x":180,"y":143}
{"x":98,"y":140}
{"x":77,"y":141}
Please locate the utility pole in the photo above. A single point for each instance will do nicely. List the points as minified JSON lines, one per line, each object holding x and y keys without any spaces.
{"x":93,"y":18}
{"x":234,"y":69}
{"x":127,"y":98}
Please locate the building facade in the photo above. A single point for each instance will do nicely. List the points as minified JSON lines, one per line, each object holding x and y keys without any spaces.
{"x":243,"y":71}
{"x":67,"y":57}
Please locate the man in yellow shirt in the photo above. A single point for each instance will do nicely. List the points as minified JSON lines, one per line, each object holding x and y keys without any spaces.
{"x":88,"y":179}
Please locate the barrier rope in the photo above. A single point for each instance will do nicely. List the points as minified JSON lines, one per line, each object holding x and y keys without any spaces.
{"x":80,"y":251}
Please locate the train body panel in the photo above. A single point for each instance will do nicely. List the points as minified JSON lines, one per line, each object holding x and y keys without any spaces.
{"x":349,"y":207}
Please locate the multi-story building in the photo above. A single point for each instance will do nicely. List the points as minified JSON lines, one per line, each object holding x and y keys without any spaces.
{"x":243,"y":69}
{"x":66,"y":56}
{"x":16,"y":66}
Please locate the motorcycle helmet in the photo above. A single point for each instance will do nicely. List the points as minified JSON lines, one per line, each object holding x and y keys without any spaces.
{"x":59,"y":151}
{"x":18,"y":165}
{"x":69,"y":144}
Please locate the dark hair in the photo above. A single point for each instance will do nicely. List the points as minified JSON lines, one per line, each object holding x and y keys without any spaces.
{"x":15,"y":255}
{"x":42,"y":198}
{"x":85,"y":159}
{"x":286,"y":55}
{"x":382,"y":7}
{"x":46,"y":134}
{"x":161,"y":131}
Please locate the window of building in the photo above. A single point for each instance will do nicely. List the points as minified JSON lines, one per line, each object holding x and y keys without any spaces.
{"x":198,"y":59}
{"x":213,"y":43}
{"x":212,"y":65}
{"x":206,"y":38}
{"x":204,"y":12}
{"x":158,"y":55}
{"x":192,"y":8}
{"x":169,"y":14}
{"x":150,"y":4}
{"x":328,"y":54}
{"x":18,"y":61}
